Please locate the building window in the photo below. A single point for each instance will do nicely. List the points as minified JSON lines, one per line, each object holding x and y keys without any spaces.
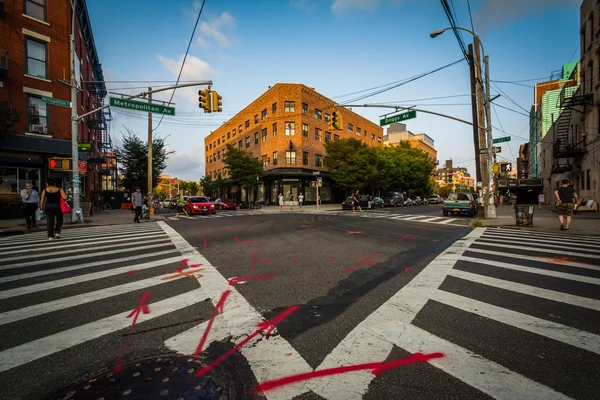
{"x":263,"y":114}
{"x":336,"y":138}
{"x":327,"y":117}
{"x":318,"y":134}
{"x":234,"y":133}
{"x":215,"y":145}
{"x":210,"y":146}
{"x":318,"y":114}
{"x":223,"y":153}
{"x":290,"y":157}
{"x":264,"y":135}
{"x":206,"y":148}
{"x":304,"y":108}
{"x":256,"y":119}
{"x":378,"y":140}
{"x":357,"y":131}
{"x":223,"y":139}
{"x":305,"y":158}
{"x":372,"y":137}
{"x":13,"y":179}
{"x":305,"y":130}
{"x":240,"y":128}
{"x":256,"y":138}
{"x":274,"y":129}
{"x":228,"y":135}
{"x":37,"y":56}
{"x":37,"y":115}
{"x":350,"y":128}
{"x":247,"y":141}
{"x":365,"y":133}
{"x":327,"y":137}
{"x":265,"y":161}
{"x":218,"y":155}
{"x":218,"y":141}
{"x":248,"y":124}
{"x":587,"y":180}
{"x":210,"y":159}
{"x":274,"y":108}
{"x":289,"y":106}
{"x":290,"y":128}
{"x":36,"y":9}
{"x":318,"y":160}
{"x":274,"y":158}
{"x":240,"y":145}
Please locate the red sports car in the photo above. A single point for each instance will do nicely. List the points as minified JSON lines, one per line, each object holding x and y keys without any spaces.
{"x":200,"y":205}
{"x":225,"y":204}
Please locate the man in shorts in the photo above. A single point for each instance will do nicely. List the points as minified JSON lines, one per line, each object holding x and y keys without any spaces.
{"x":565,"y":199}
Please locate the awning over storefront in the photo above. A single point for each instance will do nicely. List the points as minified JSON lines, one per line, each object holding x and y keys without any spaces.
{"x":36,"y":144}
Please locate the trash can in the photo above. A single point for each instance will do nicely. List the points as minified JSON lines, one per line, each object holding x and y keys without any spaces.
{"x":524,"y":215}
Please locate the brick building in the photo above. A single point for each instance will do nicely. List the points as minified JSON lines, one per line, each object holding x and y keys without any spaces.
{"x":35,"y":65}
{"x":444,"y":175}
{"x":397,"y":132}
{"x":286,"y":128}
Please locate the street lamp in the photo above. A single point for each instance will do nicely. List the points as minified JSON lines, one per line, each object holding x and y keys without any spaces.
{"x":487,"y":177}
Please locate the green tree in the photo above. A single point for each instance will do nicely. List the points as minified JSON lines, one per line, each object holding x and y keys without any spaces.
{"x":189,"y":188}
{"x":412,"y":171}
{"x":243,"y":167}
{"x":8,"y":117}
{"x":351,"y":163}
{"x":133,"y":161}
{"x":219,"y":185}
{"x":207,"y":185}
{"x":445,"y":190}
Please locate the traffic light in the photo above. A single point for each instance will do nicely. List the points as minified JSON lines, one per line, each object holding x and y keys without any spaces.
{"x":336,"y":121}
{"x":216,"y":102}
{"x":505,"y":167}
{"x":204,"y":100}
{"x":59,"y":164}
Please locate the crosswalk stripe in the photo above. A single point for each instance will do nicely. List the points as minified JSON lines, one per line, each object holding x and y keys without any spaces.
{"x":537,"y":249}
{"x":561,"y":297}
{"x":36,"y":237}
{"x":447,"y":221}
{"x":411,"y":218}
{"x":549,"y":260}
{"x":571,"y":243}
{"x":75,"y":267}
{"x":431,"y":219}
{"x":532,"y":270}
{"x":81,"y":256}
{"x":61,"y":304}
{"x":48,"y":345}
{"x":562,"y":333}
{"x":61,"y":245}
{"x":537,"y":246}
{"x":84,"y":278}
{"x":557,"y":235}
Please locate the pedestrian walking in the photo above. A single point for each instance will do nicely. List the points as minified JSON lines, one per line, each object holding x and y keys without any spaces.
{"x":181,"y":207}
{"x":300,"y":200}
{"x":291,"y":201}
{"x":565,"y":198}
{"x":541,"y":200}
{"x":31,"y":202}
{"x":137,"y":202}
{"x":356,"y":202}
{"x":50,"y":203}
{"x":280,"y":198}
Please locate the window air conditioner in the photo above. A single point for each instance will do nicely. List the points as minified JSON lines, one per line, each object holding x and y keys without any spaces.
{"x":35,"y":128}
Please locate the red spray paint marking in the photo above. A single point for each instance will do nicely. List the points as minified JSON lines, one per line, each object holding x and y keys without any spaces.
{"x":141,"y":308}
{"x":238,"y":229}
{"x":330,"y":258}
{"x":205,"y":242}
{"x":247,"y":242}
{"x":363,"y":261}
{"x":269,"y":326}
{"x":377,"y":369}
{"x":184,"y":263}
{"x":406,"y":237}
{"x":205,"y":231}
{"x":188,"y":274}
{"x":408,"y":268}
{"x":133,"y":271}
{"x":436,"y":241}
{"x":218,"y":310}
{"x":234,"y":281}
{"x":296,"y":260}
{"x":265,"y":261}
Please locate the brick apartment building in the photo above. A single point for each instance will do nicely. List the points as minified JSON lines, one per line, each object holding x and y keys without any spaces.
{"x":34,"y":59}
{"x":286,"y":128}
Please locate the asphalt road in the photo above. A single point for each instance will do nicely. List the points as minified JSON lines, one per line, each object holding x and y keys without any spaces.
{"x":502,"y":313}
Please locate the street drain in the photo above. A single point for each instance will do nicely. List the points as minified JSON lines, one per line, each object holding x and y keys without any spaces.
{"x":165,"y":377}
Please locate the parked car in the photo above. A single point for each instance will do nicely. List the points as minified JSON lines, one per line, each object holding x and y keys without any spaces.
{"x":460,"y":203}
{"x":434,"y":200}
{"x":377,"y":202}
{"x":393,"y":199}
{"x":408,"y":202}
{"x":167,"y":203}
{"x":419,"y":201}
{"x":173,"y":203}
{"x":363,"y":201}
{"x":225,"y":204}
{"x":200,"y":205}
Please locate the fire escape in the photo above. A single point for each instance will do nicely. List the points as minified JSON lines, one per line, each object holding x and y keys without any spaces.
{"x":569,"y":142}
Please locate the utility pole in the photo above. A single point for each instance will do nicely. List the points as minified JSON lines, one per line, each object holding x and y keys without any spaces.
{"x":491,"y":209}
{"x":474,"y":111}
{"x":482,"y":131}
{"x":150,"y":153}
{"x":76,"y":211}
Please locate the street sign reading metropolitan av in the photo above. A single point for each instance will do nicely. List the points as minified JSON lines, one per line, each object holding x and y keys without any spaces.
{"x":398,"y":118}
{"x":56,"y":102}
{"x":502,"y":139}
{"x":139,"y":106}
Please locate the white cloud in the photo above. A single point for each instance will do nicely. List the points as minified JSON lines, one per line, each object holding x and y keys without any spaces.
{"x":304,"y":5}
{"x":194,"y":70}
{"x":339,"y":6}
{"x":494,"y":12}
{"x":213,"y":29}
{"x":188,"y":167}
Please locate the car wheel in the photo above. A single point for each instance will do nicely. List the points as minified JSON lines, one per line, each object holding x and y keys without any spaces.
{"x":445,"y":213}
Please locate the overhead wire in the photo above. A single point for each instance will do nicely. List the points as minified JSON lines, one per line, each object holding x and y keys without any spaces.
{"x":470,"y":16}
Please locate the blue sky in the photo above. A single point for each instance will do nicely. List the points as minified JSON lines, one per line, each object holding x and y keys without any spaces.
{"x":336,"y":46}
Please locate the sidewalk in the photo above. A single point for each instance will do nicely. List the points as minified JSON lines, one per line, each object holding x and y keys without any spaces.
{"x":546,"y":220}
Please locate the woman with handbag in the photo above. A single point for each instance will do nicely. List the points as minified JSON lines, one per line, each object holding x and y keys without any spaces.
{"x":31,"y":201}
{"x":53,"y":203}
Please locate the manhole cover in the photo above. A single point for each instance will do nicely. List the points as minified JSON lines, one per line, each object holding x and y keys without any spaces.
{"x":165,"y":377}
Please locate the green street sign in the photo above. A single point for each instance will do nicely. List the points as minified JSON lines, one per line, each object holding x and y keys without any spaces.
{"x":56,"y":102}
{"x":139,"y":106}
{"x":502,"y":139}
{"x":398,"y":118}
{"x":84,"y":146}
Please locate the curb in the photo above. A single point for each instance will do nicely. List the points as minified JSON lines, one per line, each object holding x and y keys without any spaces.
{"x":10,"y":232}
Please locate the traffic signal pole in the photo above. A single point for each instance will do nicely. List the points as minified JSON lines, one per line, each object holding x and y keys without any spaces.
{"x":490,"y":207}
{"x":76,"y":215}
{"x":475,"y":119}
{"x":150,"y":152}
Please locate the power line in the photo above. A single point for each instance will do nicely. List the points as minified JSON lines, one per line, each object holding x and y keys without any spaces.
{"x":470,"y":16}
{"x":183,"y":62}
{"x":575,"y":51}
{"x":510,"y":109}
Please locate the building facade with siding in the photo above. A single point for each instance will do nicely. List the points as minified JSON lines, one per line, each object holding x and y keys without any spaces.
{"x":286,"y":128}
{"x":397,"y":132}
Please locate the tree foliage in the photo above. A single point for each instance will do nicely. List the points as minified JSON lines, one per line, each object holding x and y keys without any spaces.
{"x":243,"y":167}
{"x":132,"y":157}
{"x":8,"y":117}
{"x":219,"y":185}
{"x":207,"y":185}
{"x":445,"y":190}
{"x":355,"y":165}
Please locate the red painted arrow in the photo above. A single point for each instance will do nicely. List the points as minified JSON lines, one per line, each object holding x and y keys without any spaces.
{"x":141,"y":308}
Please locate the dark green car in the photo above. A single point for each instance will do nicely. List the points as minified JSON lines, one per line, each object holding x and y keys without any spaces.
{"x":460,"y":203}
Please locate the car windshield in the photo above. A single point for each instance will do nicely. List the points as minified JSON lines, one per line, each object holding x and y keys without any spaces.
{"x":458,"y":196}
{"x":350,"y":199}
{"x":199,"y":200}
